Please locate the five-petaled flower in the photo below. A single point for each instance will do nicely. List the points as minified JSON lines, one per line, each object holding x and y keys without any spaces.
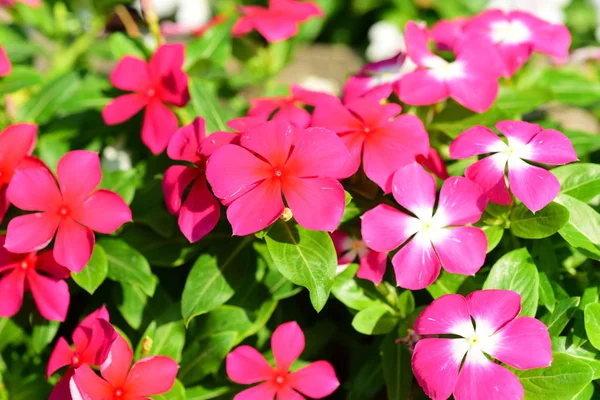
{"x":245,"y":365}
{"x":72,"y":209}
{"x":154,"y":83}
{"x":280,"y":21}
{"x":371,"y":263}
{"x":276,"y":158}
{"x":430,"y":239}
{"x":459,"y":366}
{"x":534,"y":186}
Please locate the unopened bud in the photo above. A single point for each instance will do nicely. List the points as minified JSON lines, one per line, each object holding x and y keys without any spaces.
{"x":146,"y":346}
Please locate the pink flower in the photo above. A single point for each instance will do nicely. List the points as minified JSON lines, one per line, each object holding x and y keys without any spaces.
{"x":247,"y":366}
{"x":375,"y":135}
{"x":429,"y":240}
{"x":92,"y":340}
{"x":276,"y":158}
{"x":371,"y":263}
{"x":11,"y":3}
{"x":534,"y":186}
{"x":280,"y":21}
{"x":244,"y":124}
{"x":434,"y":163}
{"x":520,"y":342}
{"x":448,"y":33}
{"x":72,"y":210}
{"x":148,"y":377}
{"x":471,"y":80}
{"x":16,"y":144}
{"x":38,"y":273}
{"x":5,"y":65}
{"x":200,"y":211}
{"x":516,"y":35}
{"x":155,"y":83}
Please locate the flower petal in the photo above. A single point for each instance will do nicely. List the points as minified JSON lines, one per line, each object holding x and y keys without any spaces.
{"x":175,"y":181}
{"x":200,"y":212}
{"x":245,"y":365}
{"x":123,"y":108}
{"x":73,"y":246}
{"x":448,"y":314}
{"x":78,"y":174}
{"x":16,"y":142}
{"x":488,"y":174}
{"x":474,"y":91}
{"x":12,"y":286}
{"x":5,"y":64}
{"x":534,"y":186}
{"x":354,"y":143}
{"x":264,"y":391}
{"x":98,"y":341}
{"x":414,"y":189}
{"x":295,"y":115}
{"x":333,"y":115}
{"x":185,"y":143}
{"x":90,"y":385}
{"x":287,"y":343}
{"x":160,"y":123}
{"x":51,"y":296}
{"x":131,"y":74}
{"x":256,"y":209}
{"x":492,"y":309}
{"x":118,"y":362}
{"x":317,"y":203}
{"x":316,"y":380}
{"x":475,"y":141}
{"x":61,"y":356}
{"x":271,"y":140}
{"x":385,"y":228}
{"x":421,"y":88}
{"x":461,"y":202}
{"x":518,"y":132}
{"x":276,"y":28}
{"x":31,"y":232}
{"x":287,"y":393}
{"x":151,"y":376}
{"x":461,"y":250}
{"x":217,"y":140}
{"x":551,"y":147}
{"x":416,"y":265}
{"x":49,"y":267}
{"x":33,"y":189}
{"x":417,"y":46}
{"x":166,"y":69}
{"x":104,"y":211}
{"x":62,"y":390}
{"x":372,"y":266}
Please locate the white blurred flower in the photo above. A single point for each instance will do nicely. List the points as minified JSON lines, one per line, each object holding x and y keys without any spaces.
{"x":596,"y":4}
{"x":548,"y":10}
{"x":115,"y":159}
{"x":320,"y":84}
{"x":385,"y":41}
{"x":189,"y":14}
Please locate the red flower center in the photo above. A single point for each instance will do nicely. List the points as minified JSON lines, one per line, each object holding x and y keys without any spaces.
{"x":24,"y":265}
{"x":151,"y":93}
{"x":63,"y":211}
{"x":280,"y":379}
{"x":75,"y":361}
{"x":277,"y":172}
{"x":118,"y":394}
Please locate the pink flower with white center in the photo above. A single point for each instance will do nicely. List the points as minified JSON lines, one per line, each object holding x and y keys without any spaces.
{"x":516,"y":35}
{"x":534,"y":186}
{"x":37,"y":273}
{"x":447,"y":34}
{"x":276,"y":158}
{"x":245,"y":365}
{"x":5,"y":65}
{"x":149,"y":376}
{"x":375,"y":134}
{"x":471,"y":80}
{"x":371,"y":263}
{"x":429,"y":240}
{"x":199,"y":212}
{"x":72,"y":210}
{"x":280,"y":21}
{"x":459,"y":366}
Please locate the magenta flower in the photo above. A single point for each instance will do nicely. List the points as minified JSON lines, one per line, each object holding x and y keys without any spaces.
{"x":200,"y":211}
{"x":371,"y":263}
{"x":245,"y":365}
{"x":516,"y":35}
{"x":148,"y":377}
{"x":471,"y":80}
{"x":276,"y":158}
{"x":11,"y":3}
{"x":447,"y":33}
{"x":280,"y":21}
{"x":429,"y":239}
{"x":244,"y":124}
{"x":534,"y":186}
{"x":375,"y":135}
{"x":92,"y":340}
{"x":72,"y":210}
{"x":156,"y":83}
{"x":5,"y":65}
{"x":39,"y":274}
{"x":520,"y":342}
{"x":434,"y":163}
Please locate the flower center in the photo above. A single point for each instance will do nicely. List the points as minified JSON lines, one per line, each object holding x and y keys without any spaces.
{"x":151,"y":93}
{"x":430,"y":227}
{"x":510,"y":32}
{"x":24,"y":265}
{"x":443,"y":70}
{"x":280,"y":379}
{"x":63,"y":211}
{"x":118,"y":394}
{"x":75,"y":361}
{"x":277,"y":172}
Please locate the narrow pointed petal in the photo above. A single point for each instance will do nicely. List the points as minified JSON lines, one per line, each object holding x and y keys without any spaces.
{"x":73,"y":246}
{"x":166,"y":59}
{"x":123,"y":108}
{"x":175,"y":181}
{"x":12,"y":286}
{"x":104,"y":211}
{"x":118,"y":362}
{"x":488,"y":174}
{"x":62,"y":390}
{"x":416,"y":265}
{"x":435,"y":363}
{"x":414,"y":189}
{"x":245,"y":365}
{"x":317,"y":203}
{"x":256,"y":209}
{"x":287,"y":343}
{"x":272,"y":140}
{"x":131,"y":74}
{"x":461,"y":202}
{"x":372,"y":112}
{"x":264,"y":391}
{"x":151,"y":376}
{"x":33,"y":189}
{"x":166,"y":69}
{"x":462,"y":249}
{"x":475,"y":92}
{"x":200,"y":212}
{"x":31,"y":232}
{"x":90,"y":385}
{"x":492,"y":309}
{"x":448,"y":314}
{"x":101,"y":337}
{"x":300,"y":11}
{"x":78,"y":174}
{"x":61,"y":356}
{"x":316,"y":380}
{"x":51,"y":296}
{"x":372,"y":266}
{"x":185,"y":143}
{"x":475,"y":141}
{"x":551,"y":147}
{"x":16,"y":142}
{"x":518,"y":132}
{"x":385,"y":228}
{"x":160,"y":123}
{"x":421,"y":88}
{"x":534,"y":186}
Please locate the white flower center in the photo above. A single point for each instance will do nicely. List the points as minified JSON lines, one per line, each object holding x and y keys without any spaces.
{"x":443,"y":70}
{"x":431,"y":228}
{"x":510,"y":32}
{"x":516,"y":150}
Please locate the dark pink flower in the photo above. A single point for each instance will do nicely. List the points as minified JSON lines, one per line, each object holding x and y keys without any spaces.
{"x":11,"y":3}
{"x":120,"y":381}
{"x":5,"y":65}
{"x":371,"y":263}
{"x":92,"y":340}
{"x":244,"y":124}
{"x":200,"y":211}
{"x":154,"y":84}
{"x":429,"y":240}
{"x":72,"y":209}
{"x":471,"y":80}
{"x":459,"y":366}
{"x":434,"y":163}
{"x":280,"y":21}
{"x":37,"y":273}
{"x":447,"y":34}
{"x":276,"y":158}
{"x":534,"y":186}
{"x":516,"y":35}
{"x":375,"y":134}
{"x":245,"y":365}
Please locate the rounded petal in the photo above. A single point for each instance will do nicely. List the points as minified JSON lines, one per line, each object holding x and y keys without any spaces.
{"x":216,"y":141}
{"x":4,"y":203}
{"x":316,"y":380}
{"x":385,"y":228}
{"x":12,"y":286}
{"x":264,"y":391}
{"x":272,"y":140}
{"x":122,"y":108}
{"x":551,"y":147}
{"x":242,"y":26}
{"x":354,"y":143}
{"x":61,"y":356}
{"x":372,"y":266}
{"x":295,"y":115}
{"x":461,"y":250}
{"x":34,"y":189}
{"x":518,"y":132}
{"x":276,"y":28}
{"x":492,"y":309}
{"x":421,"y":88}
{"x":243,"y":124}
{"x":475,"y":92}
{"x":175,"y":181}
{"x":287,"y":393}
{"x":116,"y":366}
{"x":73,"y":246}
{"x":534,"y":186}
{"x":264,"y":107}
{"x":514,"y":56}
{"x":488,"y":174}
{"x":151,"y":376}
{"x":373,"y":113}
{"x":78,"y":174}
{"x":256,"y":209}
{"x":16,"y":142}
{"x":415,"y":189}
{"x":475,"y":141}
{"x":49,"y":267}
{"x":166,"y":69}
{"x":62,"y":389}
{"x":448,"y":314}
{"x":104,"y":211}
{"x":416,"y":265}
{"x":417,"y":46}
{"x":160,"y":123}
{"x":245,"y":365}
{"x":200,"y":212}
{"x":90,"y":385}
{"x":317,"y":203}
{"x":287,"y":343}
{"x":185,"y":143}
{"x":433,"y":162}
{"x":333,"y":115}
{"x":31,"y":232}
{"x":51,"y":296}
{"x":131,"y":74}
{"x":461,"y":202}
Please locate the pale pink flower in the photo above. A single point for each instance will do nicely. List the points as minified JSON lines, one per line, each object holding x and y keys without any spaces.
{"x":371,"y":263}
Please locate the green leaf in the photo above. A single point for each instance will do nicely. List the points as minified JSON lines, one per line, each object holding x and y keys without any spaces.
{"x":582,"y":231}
{"x":397,"y":371}
{"x":20,"y":78}
{"x":206,"y":393}
{"x":46,"y":103}
{"x":348,"y":290}
{"x":127,"y":266}
{"x":544,"y":223}
{"x":547,"y":298}
{"x":204,"y":103}
{"x":447,"y":283}
{"x":205,"y":356}
{"x":214,"y":45}
{"x":569,"y":87}
{"x":177,"y":392}
{"x":165,"y":336}
{"x":94,"y":273}
{"x":585,"y":353}
{"x":560,"y":317}
{"x":122,"y":45}
{"x":580,"y":180}
{"x":592,"y":324}
{"x":516,"y":271}
{"x":9,"y":333}
{"x":564,"y":379}
{"x":584,"y":143}
{"x":406,"y":303}
{"x":43,"y":333}
{"x":124,"y":183}
{"x":132,"y":304}
{"x":494,"y":236}
{"x":305,"y":257}
{"x":374,"y":320}
{"x":455,"y":119}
